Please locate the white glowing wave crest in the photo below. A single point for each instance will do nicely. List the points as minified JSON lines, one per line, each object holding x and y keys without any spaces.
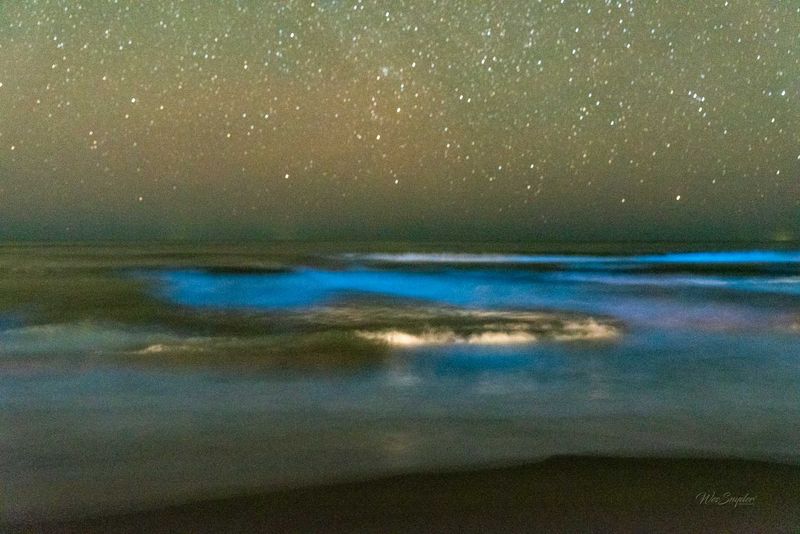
{"x":579,"y":330}
{"x":399,"y":338}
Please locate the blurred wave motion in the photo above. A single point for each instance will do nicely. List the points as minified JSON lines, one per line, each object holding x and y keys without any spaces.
{"x":192,"y":372}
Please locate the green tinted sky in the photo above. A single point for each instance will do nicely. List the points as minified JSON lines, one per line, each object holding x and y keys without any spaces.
{"x":408,"y":119}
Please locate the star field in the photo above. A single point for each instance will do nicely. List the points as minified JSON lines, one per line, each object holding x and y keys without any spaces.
{"x":411,"y":119}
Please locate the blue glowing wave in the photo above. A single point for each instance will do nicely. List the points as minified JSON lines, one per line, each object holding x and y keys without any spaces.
{"x":310,"y":287}
{"x":576,"y":290}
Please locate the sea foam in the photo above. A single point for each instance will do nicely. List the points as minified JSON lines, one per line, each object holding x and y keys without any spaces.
{"x":513,"y":334}
{"x":400,"y":338}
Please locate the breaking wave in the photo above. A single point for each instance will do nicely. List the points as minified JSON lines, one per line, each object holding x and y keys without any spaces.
{"x":400,"y":338}
{"x":589,"y":329}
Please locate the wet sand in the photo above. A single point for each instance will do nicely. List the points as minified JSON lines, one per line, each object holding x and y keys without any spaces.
{"x":561,"y":494}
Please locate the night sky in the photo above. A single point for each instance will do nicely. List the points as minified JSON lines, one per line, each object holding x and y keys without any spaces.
{"x":403,"y":119}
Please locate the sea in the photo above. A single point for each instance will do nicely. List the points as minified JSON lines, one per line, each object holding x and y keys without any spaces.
{"x":141,"y":375}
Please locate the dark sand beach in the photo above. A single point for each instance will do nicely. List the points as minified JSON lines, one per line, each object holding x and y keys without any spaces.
{"x":561,"y":494}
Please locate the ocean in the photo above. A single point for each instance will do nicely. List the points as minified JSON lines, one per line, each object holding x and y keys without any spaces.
{"x":134,"y":375}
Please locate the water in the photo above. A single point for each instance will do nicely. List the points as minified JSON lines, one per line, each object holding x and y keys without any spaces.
{"x":138,"y":375}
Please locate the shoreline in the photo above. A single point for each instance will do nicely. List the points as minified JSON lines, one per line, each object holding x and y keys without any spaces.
{"x":561,"y":493}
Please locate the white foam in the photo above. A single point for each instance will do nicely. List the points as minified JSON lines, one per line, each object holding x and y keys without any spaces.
{"x":400,"y":338}
{"x":405,"y":339}
{"x":159,"y":348}
{"x":496,"y":334}
{"x":155,"y":349}
{"x":587,"y":329}
{"x":501,"y":338}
